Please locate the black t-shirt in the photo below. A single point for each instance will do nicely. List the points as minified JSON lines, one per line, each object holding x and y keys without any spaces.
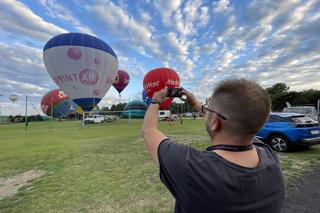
{"x":203,"y":181}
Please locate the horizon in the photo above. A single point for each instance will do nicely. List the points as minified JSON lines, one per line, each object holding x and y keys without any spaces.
{"x":203,"y":41}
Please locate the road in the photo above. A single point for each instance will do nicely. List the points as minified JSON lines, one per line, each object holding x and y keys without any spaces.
{"x":304,"y":196}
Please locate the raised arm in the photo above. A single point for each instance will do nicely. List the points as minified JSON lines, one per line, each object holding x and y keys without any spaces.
{"x":151,"y":135}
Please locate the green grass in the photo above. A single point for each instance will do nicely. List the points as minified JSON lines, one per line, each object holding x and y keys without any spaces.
{"x":100,"y":168}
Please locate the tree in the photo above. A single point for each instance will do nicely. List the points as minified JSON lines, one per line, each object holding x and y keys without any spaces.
{"x":311,"y":96}
{"x":105,"y":108}
{"x":177,"y":108}
{"x":278,"y":88}
{"x":279,"y":94}
{"x":118,"y":107}
{"x":293,"y":97}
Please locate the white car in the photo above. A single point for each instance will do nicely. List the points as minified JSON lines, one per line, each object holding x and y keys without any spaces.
{"x":93,"y":119}
{"x":110,"y":118}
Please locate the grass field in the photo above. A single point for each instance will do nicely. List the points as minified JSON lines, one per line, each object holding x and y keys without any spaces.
{"x":101,"y":168}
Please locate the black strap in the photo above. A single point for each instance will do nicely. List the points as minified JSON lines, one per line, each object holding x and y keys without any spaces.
{"x":232,"y":148}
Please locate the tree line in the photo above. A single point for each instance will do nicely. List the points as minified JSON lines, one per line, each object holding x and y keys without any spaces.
{"x":279,"y":94}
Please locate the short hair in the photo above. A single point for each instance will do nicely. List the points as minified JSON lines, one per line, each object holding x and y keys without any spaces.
{"x":245,"y":104}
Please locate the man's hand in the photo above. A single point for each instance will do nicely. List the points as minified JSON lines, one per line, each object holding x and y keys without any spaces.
{"x":160,"y":96}
{"x":190,"y":99}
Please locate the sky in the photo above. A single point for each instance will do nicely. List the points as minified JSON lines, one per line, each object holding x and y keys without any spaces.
{"x":204,"y":41}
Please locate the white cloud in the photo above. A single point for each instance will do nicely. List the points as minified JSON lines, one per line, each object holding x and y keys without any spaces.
{"x":109,"y":99}
{"x":20,"y":54}
{"x":210,"y":47}
{"x":166,"y":9}
{"x":22,"y":73}
{"x":204,"y":17}
{"x":21,"y":89}
{"x":118,"y":22}
{"x":58,"y":11}
{"x":221,"y":6}
{"x":145,"y":17}
{"x":22,"y":86}
{"x":168,"y":48}
{"x":229,"y":27}
{"x":188,"y":19}
{"x":134,"y":67}
{"x":17,"y":18}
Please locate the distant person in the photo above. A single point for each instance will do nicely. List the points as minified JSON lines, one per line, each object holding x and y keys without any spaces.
{"x":180,"y":117}
{"x":170,"y":120}
{"x":237,"y":173}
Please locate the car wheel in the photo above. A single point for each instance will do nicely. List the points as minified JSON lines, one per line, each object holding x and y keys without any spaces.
{"x":279,"y":143}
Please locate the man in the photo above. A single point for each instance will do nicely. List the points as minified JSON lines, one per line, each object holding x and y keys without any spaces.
{"x":233,"y":175}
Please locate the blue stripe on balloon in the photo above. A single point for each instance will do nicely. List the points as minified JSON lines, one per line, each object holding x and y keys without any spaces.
{"x":79,"y":39}
{"x":87,"y":104}
{"x":61,"y":110}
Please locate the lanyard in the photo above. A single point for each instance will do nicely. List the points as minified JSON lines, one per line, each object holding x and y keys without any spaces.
{"x":232,"y":148}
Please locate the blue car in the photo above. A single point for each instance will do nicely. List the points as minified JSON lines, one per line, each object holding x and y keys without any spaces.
{"x":284,"y":130}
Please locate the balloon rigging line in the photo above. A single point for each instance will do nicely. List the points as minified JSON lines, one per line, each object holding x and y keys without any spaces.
{"x":35,"y":108}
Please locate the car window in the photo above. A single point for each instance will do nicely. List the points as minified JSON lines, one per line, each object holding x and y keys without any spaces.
{"x":302,"y":119}
{"x":275,"y":118}
{"x":306,"y":111}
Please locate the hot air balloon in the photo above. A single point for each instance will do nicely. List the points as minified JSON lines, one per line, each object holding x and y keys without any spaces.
{"x":134,"y":109}
{"x":83,"y":66}
{"x":159,"y":78}
{"x":146,"y":99}
{"x":62,"y":106}
{"x":13,"y":98}
{"x":121,"y":81}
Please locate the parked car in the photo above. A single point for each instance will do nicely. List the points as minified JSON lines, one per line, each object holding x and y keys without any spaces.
{"x":110,"y":118}
{"x":284,"y":130}
{"x":309,"y":111}
{"x":93,"y":119}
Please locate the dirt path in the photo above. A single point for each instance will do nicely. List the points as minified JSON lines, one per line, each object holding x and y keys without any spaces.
{"x":9,"y":186}
{"x":304,"y":196}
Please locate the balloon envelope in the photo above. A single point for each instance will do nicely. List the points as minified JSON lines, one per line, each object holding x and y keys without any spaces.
{"x":159,"y":78}
{"x":121,"y":81}
{"x":83,"y":66}
{"x":62,"y":106}
{"x":134,"y":109}
{"x":146,"y":99}
{"x":13,"y":98}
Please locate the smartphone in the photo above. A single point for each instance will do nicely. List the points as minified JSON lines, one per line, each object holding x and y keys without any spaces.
{"x":174,"y":92}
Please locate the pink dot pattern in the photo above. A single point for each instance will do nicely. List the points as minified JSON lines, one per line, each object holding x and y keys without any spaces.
{"x":74,"y":53}
{"x":96,"y":61}
{"x":96,"y":92}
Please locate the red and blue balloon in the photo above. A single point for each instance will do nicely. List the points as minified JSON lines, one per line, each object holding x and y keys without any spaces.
{"x":158,"y":79}
{"x":59,"y":104}
{"x":146,"y":99}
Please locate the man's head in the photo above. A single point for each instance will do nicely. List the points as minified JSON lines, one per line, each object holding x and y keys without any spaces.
{"x":245,"y":104}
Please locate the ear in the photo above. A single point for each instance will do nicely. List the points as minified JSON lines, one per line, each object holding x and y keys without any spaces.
{"x":215,"y":123}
